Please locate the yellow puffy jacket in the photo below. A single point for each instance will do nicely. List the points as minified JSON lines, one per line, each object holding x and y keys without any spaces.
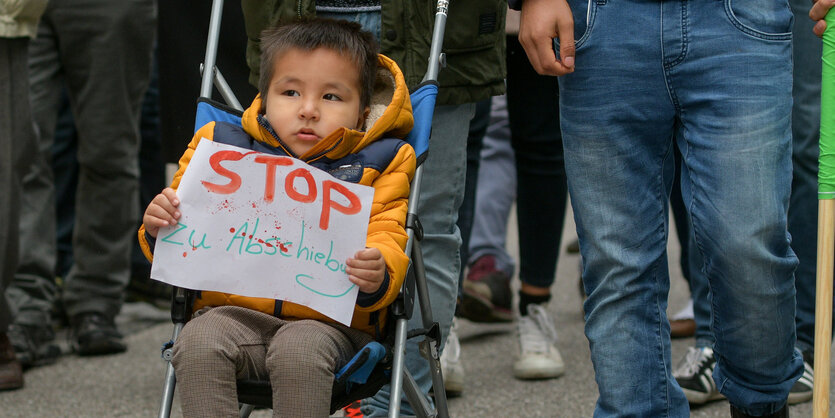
{"x":375,"y":158}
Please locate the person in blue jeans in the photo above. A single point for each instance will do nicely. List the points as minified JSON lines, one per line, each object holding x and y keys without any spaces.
{"x":803,"y":209}
{"x":715,"y":80}
{"x":694,"y":373}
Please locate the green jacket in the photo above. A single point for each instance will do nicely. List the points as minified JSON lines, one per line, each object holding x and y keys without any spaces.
{"x":474,"y":42}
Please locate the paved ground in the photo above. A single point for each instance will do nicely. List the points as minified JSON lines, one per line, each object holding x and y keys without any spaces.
{"x":130,"y":384}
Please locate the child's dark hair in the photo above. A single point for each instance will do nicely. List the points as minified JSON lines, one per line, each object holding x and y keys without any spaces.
{"x":346,"y":38}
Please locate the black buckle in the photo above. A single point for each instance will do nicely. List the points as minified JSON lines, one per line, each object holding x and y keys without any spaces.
{"x":413,"y":222}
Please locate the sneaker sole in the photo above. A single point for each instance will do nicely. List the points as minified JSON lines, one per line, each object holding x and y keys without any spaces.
{"x":538,"y":373}
{"x":796,"y":398}
{"x":453,"y":388}
{"x":479,"y":309}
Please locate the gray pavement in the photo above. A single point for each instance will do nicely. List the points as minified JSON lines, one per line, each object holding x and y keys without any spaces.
{"x":130,"y":384}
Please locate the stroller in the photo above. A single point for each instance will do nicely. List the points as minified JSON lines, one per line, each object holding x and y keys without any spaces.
{"x":379,"y":362}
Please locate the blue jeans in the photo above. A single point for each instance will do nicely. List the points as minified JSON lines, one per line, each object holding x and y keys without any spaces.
{"x":803,"y":209}
{"x":803,"y":206}
{"x":728,"y":108}
{"x":691,"y":260}
{"x":444,"y":174}
{"x":496,"y":191}
{"x":440,"y":198}
{"x":369,"y":20}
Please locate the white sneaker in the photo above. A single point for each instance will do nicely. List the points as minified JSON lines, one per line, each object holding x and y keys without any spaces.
{"x":451,"y":367}
{"x":538,"y":357}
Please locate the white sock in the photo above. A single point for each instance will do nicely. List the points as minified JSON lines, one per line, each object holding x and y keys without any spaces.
{"x":686,"y":313}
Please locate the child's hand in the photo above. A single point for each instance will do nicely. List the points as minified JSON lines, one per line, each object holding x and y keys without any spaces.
{"x":367,"y":269}
{"x":161,"y":212}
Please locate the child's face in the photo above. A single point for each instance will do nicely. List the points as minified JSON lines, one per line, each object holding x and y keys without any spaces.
{"x":311,"y":94}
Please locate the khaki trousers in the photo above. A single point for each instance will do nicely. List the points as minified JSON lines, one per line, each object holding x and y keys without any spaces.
{"x":229,"y":343}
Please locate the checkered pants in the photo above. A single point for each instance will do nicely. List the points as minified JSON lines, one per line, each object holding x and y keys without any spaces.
{"x":229,"y":342}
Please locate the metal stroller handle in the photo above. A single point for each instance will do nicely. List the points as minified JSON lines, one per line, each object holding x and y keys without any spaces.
{"x":181,"y":303}
{"x":437,"y":59}
{"x":208,"y":78}
{"x":214,"y":77}
{"x":431,"y":347}
{"x":211,"y":49}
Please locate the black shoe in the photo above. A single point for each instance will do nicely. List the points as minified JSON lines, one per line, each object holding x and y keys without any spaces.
{"x":782,"y":413}
{"x":94,"y":333}
{"x":487,"y":296}
{"x":573,"y":247}
{"x":34,"y":345}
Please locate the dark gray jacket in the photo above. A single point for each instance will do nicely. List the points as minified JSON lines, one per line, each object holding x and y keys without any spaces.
{"x":474,"y":43}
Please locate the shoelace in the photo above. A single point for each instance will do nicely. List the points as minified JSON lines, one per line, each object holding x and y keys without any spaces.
{"x":693,"y":360}
{"x":536,"y":330}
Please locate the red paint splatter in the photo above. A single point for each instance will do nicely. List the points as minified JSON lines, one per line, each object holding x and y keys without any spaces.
{"x":250,"y":237}
{"x":260,"y":240}
{"x":185,"y":254}
{"x":243,"y":234}
{"x":283,"y":248}
{"x":253,"y":205}
{"x":231,"y":230}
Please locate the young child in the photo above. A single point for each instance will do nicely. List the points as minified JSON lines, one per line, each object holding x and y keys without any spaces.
{"x":326,"y":98}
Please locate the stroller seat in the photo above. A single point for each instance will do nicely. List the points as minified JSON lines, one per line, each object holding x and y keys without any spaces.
{"x":362,"y":377}
{"x":379,"y":362}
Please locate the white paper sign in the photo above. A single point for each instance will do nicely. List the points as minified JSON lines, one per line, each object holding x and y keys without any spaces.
{"x":268,"y":226}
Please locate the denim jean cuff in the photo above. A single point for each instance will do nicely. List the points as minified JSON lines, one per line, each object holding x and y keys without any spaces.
{"x":803,"y":347}
{"x":700,"y":343}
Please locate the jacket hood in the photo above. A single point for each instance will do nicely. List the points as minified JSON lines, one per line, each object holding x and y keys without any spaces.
{"x":390,"y":116}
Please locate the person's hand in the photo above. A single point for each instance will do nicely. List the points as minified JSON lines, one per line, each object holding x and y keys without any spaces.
{"x":161,"y":212}
{"x":817,"y":14}
{"x":367,"y":269}
{"x":543,"y":20}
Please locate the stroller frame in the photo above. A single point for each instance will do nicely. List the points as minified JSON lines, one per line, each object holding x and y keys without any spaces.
{"x":402,"y":308}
